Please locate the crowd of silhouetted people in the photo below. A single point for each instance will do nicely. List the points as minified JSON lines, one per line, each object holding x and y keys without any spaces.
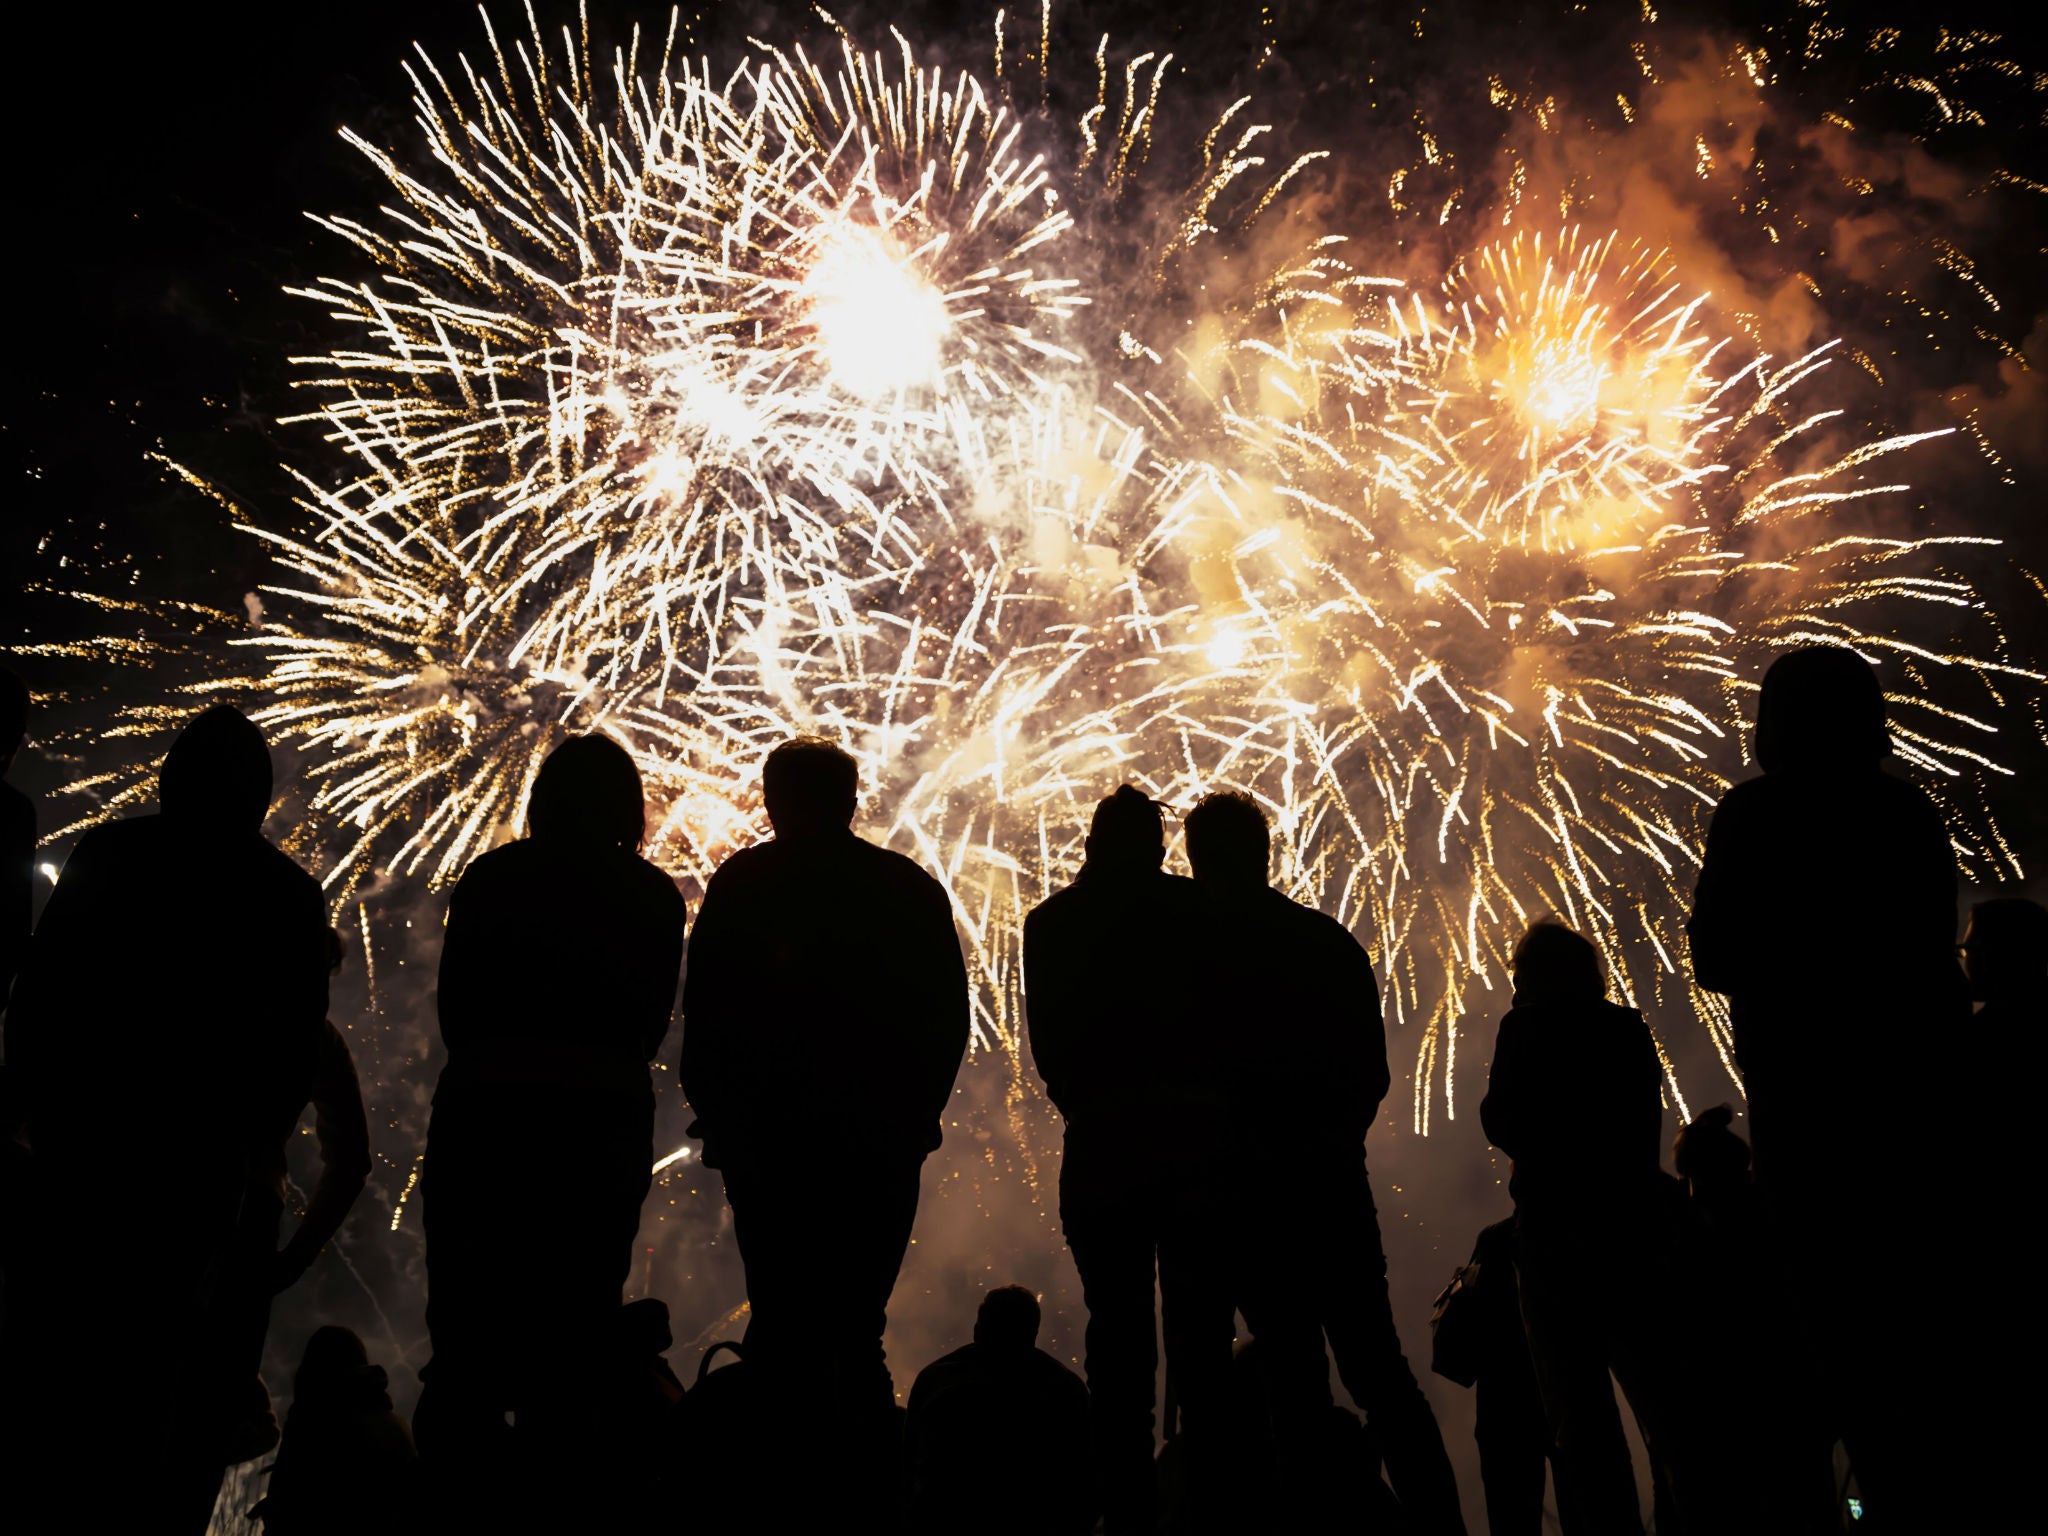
{"x":1779,"y":1308}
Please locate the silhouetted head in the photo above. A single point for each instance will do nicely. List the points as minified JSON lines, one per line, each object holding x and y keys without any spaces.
{"x":588,"y":792}
{"x":217,"y":774}
{"x":1821,"y":708}
{"x":1229,"y":843}
{"x":333,"y":1352}
{"x":1708,"y":1154}
{"x":1553,"y":964}
{"x":336,"y":951}
{"x":811,"y":786}
{"x":1008,"y":1318}
{"x":2005,"y":949}
{"x":13,"y":717}
{"x":1127,"y":834}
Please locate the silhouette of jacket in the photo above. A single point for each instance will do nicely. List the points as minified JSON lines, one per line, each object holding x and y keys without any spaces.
{"x":825,"y":984}
{"x":557,"y":983}
{"x":1574,"y":1097}
{"x":1310,"y":1048}
{"x":1826,"y":912}
{"x":197,"y":961}
{"x":989,"y":1417}
{"x":17,"y":881}
{"x":1123,"y":1027}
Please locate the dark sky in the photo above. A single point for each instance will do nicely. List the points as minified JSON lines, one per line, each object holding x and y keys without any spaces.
{"x":161,"y":161}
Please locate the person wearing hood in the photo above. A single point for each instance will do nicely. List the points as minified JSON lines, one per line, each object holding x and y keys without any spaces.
{"x":557,"y":985}
{"x":165,"y":1022}
{"x":1574,"y":1098}
{"x":1126,"y":1034}
{"x":1826,"y":913}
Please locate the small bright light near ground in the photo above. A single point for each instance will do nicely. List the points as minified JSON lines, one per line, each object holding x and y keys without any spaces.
{"x":880,"y":324}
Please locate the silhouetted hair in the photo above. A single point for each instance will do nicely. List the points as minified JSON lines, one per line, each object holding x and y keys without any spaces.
{"x":2007,"y":944}
{"x":1553,"y":964}
{"x":810,"y":784}
{"x":13,"y":711}
{"x":588,"y":791}
{"x":217,"y":773}
{"x":332,"y":1352}
{"x":1008,"y":1318}
{"x":1821,"y":707}
{"x":336,"y":950}
{"x":1707,"y":1151}
{"x":1228,"y":839}
{"x":1127,"y":832}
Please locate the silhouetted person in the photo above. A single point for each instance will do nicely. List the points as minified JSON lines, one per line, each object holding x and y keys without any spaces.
{"x":1826,"y":912}
{"x":1124,"y":1031}
{"x":345,"y":1465}
{"x":1574,"y":1097}
{"x":17,"y":837}
{"x":1309,"y":1069}
{"x":558,"y":981}
{"x":997,"y":1434}
{"x":824,"y":1019}
{"x":166,"y":1022}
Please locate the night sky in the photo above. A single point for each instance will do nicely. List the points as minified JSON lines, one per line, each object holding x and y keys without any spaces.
{"x":159,"y":165}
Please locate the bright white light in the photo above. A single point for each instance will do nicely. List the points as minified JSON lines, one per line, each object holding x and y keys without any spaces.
{"x":49,"y":872}
{"x":680,"y":1155}
{"x":1225,"y":651}
{"x":880,"y":324}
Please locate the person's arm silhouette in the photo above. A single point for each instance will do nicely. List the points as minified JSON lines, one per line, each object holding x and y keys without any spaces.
{"x":941,"y":1012}
{"x":343,"y":1132}
{"x":1512,"y":1107}
{"x":714,"y":985}
{"x":1362,"y":1069}
{"x":1718,"y":932}
{"x":1050,"y":1003}
{"x":72,"y":927}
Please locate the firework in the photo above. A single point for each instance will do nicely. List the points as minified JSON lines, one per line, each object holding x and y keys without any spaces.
{"x":1480,"y":581}
{"x":704,"y":410}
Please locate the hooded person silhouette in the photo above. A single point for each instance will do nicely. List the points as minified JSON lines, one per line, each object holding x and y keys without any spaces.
{"x":175,"y":991}
{"x":1826,"y":912}
{"x":557,"y":985}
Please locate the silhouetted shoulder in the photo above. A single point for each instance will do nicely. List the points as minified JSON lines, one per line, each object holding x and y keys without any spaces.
{"x":900,"y":871}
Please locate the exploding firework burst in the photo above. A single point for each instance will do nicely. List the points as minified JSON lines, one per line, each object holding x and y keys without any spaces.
{"x":703,"y":411}
{"x":1479,"y":586}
